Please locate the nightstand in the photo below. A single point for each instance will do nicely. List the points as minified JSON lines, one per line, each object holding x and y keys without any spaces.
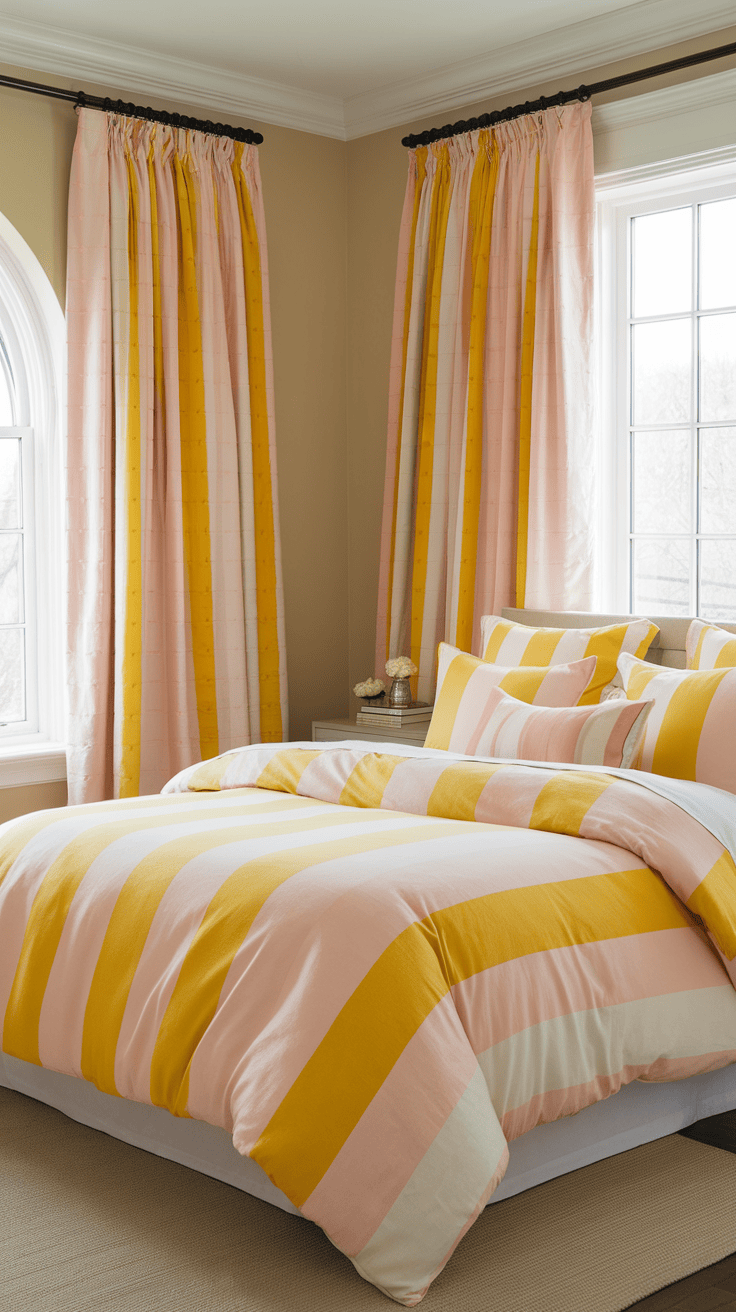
{"x":330,"y":730}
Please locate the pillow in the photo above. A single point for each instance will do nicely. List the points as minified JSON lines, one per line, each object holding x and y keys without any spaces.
{"x":465,"y":680}
{"x":691,"y":732}
{"x":506,"y":643}
{"x":489,"y":722}
{"x":708,"y":647}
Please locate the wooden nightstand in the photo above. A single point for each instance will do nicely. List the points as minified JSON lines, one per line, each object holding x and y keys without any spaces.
{"x":329,"y":730}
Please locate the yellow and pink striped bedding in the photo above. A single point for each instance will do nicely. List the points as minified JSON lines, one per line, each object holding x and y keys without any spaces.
{"x":691,"y":729}
{"x":373,"y":970}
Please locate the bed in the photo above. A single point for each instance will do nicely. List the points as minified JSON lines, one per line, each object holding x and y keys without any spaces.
{"x":314,"y":1117}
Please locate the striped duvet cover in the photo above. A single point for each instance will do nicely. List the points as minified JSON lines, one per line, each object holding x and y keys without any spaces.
{"x":374,"y":969}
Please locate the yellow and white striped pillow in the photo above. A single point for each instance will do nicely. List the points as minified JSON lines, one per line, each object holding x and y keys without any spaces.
{"x":473,"y":715}
{"x":503,"y":642}
{"x":463,"y":683}
{"x":691,"y":731}
{"x":709,"y":647}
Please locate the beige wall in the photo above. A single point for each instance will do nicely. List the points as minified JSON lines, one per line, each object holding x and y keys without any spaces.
{"x":332,"y":212}
{"x":376,"y":172}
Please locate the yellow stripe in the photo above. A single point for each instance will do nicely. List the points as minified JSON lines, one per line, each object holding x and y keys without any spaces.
{"x":439,"y":213}
{"x":676,"y":750}
{"x":194,"y":472}
{"x":525,"y":399}
{"x":726,"y":656}
{"x":366,"y":784}
{"x":132,"y":656}
{"x":638,"y":679}
{"x":524,"y":684}
{"x":46,"y":922}
{"x":541,"y":646}
{"x":269,"y":659}
{"x":458,"y":790}
{"x":359,"y":1050}
{"x":500,"y":631}
{"x":208,"y":778}
{"x":421,"y":172}
{"x":482,"y":196}
{"x":564,"y":801}
{"x":285,"y":769}
{"x":226,"y":924}
{"x":447,"y":705}
{"x":130,"y":924}
{"x":714,"y":900}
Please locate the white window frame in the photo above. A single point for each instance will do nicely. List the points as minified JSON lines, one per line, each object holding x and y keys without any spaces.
{"x":32,"y":327}
{"x":621,"y":196}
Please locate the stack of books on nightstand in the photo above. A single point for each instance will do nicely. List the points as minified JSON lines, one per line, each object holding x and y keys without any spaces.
{"x":395,"y":717}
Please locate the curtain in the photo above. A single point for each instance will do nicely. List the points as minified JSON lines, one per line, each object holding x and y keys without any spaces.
{"x":490,"y":463}
{"x":175,"y":607}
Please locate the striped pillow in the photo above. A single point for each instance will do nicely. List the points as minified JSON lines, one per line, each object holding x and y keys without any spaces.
{"x":506,"y":643}
{"x":464,"y":681}
{"x":691,"y":732}
{"x":709,"y":647}
{"x":486,"y":721}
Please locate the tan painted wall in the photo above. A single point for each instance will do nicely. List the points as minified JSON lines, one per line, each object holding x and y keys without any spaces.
{"x":304,"y":189}
{"x":376,"y":172}
{"x":333,"y":211}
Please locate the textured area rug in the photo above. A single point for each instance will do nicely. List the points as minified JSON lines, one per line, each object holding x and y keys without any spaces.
{"x":87,"y":1222}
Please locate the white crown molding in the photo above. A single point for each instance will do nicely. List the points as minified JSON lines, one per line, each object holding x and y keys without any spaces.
{"x":128,"y":69}
{"x":566,"y":53}
{"x":683,"y":171}
{"x":685,"y":98}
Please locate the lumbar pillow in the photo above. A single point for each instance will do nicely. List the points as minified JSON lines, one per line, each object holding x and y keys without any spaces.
{"x":709,"y":647}
{"x":486,"y":721}
{"x":504,"y":642}
{"x":691,"y":731}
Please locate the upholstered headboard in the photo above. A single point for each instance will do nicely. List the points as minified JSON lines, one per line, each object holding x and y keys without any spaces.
{"x":668,"y":647}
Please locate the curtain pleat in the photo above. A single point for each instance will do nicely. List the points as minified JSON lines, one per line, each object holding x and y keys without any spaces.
{"x":175,"y":627}
{"x":488,"y":498}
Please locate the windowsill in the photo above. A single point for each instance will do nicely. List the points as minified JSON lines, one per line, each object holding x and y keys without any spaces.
{"x":31,"y":763}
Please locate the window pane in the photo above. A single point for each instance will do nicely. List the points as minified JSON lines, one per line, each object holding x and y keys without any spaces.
{"x":717,"y":254}
{"x":662,"y":263}
{"x":718,"y":580}
{"x":7,"y":415}
{"x":662,"y":370}
{"x":662,"y":474}
{"x":718,"y":480}
{"x":9,"y":482}
{"x":11,"y":588}
{"x":661,"y":577}
{"x":12,"y":675}
{"x":718,"y":368}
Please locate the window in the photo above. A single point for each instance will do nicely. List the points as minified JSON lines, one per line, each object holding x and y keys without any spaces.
{"x":31,"y":492}
{"x":667,"y":281}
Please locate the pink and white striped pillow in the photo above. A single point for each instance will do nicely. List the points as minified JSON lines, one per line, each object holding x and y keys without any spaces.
{"x":488,"y":722}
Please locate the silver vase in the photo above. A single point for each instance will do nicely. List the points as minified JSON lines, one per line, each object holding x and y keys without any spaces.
{"x":400,"y":693}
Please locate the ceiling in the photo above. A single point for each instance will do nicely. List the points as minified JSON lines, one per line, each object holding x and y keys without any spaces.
{"x":339,"y":67}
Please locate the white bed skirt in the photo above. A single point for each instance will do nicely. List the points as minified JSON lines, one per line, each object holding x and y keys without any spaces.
{"x":637,"y":1114}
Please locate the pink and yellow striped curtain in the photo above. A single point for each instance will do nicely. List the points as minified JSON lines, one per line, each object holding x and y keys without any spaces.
{"x":490,"y":464}
{"x":175,"y":622}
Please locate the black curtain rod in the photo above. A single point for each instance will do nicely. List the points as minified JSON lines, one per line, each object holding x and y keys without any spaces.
{"x":83,"y":101}
{"x":564,"y":97}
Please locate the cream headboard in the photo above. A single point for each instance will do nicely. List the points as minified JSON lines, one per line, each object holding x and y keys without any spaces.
{"x":668,"y":647}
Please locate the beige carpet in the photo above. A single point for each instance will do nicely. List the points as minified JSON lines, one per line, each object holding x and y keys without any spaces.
{"x":90,"y":1223}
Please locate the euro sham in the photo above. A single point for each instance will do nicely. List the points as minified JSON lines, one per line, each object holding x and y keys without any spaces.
{"x":504,"y":642}
{"x":473,"y":715}
{"x":708,"y":647}
{"x":691,"y":730}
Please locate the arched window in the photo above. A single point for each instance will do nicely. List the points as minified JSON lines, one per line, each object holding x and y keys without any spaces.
{"x":31,"y":511}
